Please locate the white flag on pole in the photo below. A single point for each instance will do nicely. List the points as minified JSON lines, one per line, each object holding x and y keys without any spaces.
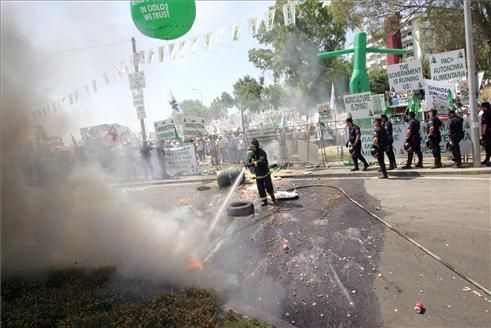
{"x":106,"y":78}
{"x":332,"y":103}
{"x":175,"y":106}
{"x":94,"y":85}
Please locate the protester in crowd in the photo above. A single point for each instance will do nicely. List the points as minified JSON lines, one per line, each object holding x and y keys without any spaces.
{"x":221,"y":150}
{"x":413,"y":141}
{"x":486,"y":131}
{"x":390,"y":140}
{"x":354,"y":144}
{"x":434,"y":137}
{"x":200,"y":149}
{"x":161,"y":158}
{"x":259,"y":160}
{"x":455,"y":135}
{"x":146,"y":155}
{"x":380,"y":142}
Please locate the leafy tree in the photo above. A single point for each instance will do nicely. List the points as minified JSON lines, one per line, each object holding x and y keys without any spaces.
{"x":379,"y":82}
{"x":292,"y":51}
{"x":220,"y":105}
{"x":194,"y":108}
{"x":247,"y":93}
{"x":273,"y":96}
{"x":443,"y":21}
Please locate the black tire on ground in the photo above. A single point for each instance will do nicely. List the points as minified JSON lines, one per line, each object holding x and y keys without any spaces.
{"x":240,"y":208}
{"x":227,"y":177}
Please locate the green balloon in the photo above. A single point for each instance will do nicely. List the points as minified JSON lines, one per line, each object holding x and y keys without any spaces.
{"x":163,"y":19}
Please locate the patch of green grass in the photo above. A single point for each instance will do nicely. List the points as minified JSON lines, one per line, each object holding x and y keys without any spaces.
{"x":94,"y":298}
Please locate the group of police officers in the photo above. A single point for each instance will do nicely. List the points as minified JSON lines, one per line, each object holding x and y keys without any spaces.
{"x":383,"y":140}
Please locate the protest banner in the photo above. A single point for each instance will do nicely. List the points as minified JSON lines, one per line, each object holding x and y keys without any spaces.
{"x":448,"y":66}
{"x":180,"y":160}
{"x":405,"y":76}
{"x":364,"y":105}
{"x":358,"y":105}
{"x":325,"y":113}
{"x":193,"y":127}
{"x":437,"y":95}
{"x":399,"y":134}
{"x":165,"y":130}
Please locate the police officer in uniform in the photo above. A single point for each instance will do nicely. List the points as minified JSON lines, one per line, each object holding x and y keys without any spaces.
{"x":413,"y":142}
{"x":434,"y":137}
{"x":354,"y":140}
{"x":380,"y":142}
{"x":486,"y":131}
{"x":390,"y":140}
{"x":455,"y":135}
{"x":259,"y":160}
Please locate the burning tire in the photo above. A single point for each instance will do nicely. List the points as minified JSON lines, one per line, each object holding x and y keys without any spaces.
{"x":227,"y":177}
{"x":240,"y":208}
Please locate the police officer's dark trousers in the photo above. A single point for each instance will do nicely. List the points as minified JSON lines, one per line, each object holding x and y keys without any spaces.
{"x":416,"y":144}
{"x":358,"y":156}
{"x":265,"y":184}
{"x":435,"y":150}
{"x":487,"y":147}
{"x":392,"y":157}
{"x":381,"y":163}
{"x":457,"y":157}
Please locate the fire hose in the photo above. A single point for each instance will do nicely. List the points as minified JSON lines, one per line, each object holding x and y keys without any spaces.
{"x":217,"y":242}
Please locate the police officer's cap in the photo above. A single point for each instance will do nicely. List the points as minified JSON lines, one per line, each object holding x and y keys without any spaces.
{"x":349,"y":119}
{"x":486,"y":105}
{"x":434,"y":111}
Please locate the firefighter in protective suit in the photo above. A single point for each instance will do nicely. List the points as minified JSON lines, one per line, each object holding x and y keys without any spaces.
{"x":258,"y":160}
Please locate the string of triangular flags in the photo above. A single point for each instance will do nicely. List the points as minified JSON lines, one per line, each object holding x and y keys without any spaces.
{"x":175,"y":49}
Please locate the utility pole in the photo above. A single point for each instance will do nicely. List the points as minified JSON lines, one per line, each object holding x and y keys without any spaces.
{"x":142,"y":121}
{"x":471,"y":77}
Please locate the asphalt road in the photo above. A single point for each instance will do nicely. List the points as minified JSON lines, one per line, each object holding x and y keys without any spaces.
{"x":343,"y":267}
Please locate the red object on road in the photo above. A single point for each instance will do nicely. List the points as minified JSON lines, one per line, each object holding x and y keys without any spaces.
{"x":419,"y":307}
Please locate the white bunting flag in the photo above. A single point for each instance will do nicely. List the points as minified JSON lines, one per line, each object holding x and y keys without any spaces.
{"x":150,"y":56}
{"x":71,"y":98}
{"x":172,"y":51}
{"x":252,"y":26}
{"x":182,"y":48}
{"x":121,"y":69}
{"x":94,"y":85}
{"x":208,"y":40}
{"x":161,"y":53}
{"x":235,"y":32}
{"x":44,"y":112}
{"x":194,"y":44}
{"x":219,"y":35}
{"x":289,"y":13}
{"x":269,"y":19}
{"x":76,"y":95}
{"x":86,"y":87}
{"x":106,"y":78}
{"x":53,"y":106}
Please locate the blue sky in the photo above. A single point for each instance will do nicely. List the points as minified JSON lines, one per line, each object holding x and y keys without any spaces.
{"x":62,"y":25}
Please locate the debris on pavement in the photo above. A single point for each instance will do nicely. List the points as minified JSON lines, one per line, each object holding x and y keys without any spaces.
{"x":466,"y":289}
{"x":419,"y":308}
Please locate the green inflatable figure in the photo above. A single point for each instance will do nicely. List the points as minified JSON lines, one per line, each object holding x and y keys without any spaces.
{"x":359,"y":79}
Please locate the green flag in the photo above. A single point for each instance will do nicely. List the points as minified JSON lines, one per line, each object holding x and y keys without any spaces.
{"x":387,"y":105}
{"x":450,"y":100}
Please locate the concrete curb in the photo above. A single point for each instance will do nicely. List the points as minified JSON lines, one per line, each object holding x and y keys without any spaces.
{"x":393,"y":173}
{"x":324,"y":174}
